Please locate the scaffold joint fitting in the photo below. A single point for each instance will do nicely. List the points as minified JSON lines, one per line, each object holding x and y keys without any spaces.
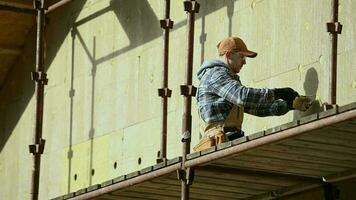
{"x":36,"y":149}
{"x":166,"y":23}
{"x":186,"y":136}
{"x":164,"y":92}
{"x":37,"y":4}
{"x":191,"y":6}
{"x":40,"y":77}
{"x":188,"y":90}
{"x":334,"y":27}
{"x":181,"y":174}
{"x":190,"y":176}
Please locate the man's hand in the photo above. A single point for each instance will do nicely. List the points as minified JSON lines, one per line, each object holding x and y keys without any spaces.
{"x":287,"y":94}
{"x":302,"y":103}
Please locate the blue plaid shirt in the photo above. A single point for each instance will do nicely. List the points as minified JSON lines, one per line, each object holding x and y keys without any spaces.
{"x":220,"y":89}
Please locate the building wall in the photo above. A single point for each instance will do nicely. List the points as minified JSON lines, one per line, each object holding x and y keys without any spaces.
{"x":102,"y":113}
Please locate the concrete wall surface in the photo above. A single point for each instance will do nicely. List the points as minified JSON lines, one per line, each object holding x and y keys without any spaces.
{"x":102,"y":114}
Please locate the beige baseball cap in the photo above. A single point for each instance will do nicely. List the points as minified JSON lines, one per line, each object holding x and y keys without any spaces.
{"x":231,"y":44}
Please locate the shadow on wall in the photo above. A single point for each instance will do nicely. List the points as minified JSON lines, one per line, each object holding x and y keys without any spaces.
{"x":130,"y":12}
{"x":204,"y":10}
{"x":139,"y":21}
{"x":19,"y":89}
{"x":311,"y":84}
{"x":127,"y":12}
{"x":141,"y":25}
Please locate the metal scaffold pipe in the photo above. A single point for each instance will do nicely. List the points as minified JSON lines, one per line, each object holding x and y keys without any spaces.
{"x":165,"y":92}
{"x":188,"y":90}
{"x":57,"y":5}
{"x":40,"y":78}
{"x":334,"y":28}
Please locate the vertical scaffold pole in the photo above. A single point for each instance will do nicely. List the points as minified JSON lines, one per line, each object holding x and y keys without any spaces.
{"x":165,"y":92}
{"x":40,"y":78}
{"x":188,"y":90}
{"x":334,"y":28}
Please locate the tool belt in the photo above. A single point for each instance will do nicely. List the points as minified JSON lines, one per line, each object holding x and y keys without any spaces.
{"x":215,"y":133}
{"x":230,"y":126}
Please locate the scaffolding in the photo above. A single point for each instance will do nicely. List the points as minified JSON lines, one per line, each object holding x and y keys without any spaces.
{"x":312,"y":152}
{"x":218,"y":172}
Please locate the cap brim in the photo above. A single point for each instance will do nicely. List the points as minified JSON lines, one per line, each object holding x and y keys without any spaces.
{"x":249,"y":54}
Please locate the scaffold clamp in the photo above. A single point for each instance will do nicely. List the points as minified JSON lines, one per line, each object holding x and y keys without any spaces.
{"x":37,"y":4}
{"x":186,"y":136}
{"x":40,"y":77}
{"x":164,"y":92}
{"x":191,"y":6}
{"x":334,"y":27}
{"x":188,"y":90}
{"x":166,"y":23}
{"x":36,"y":149}
{"x":186,"y":175}
{"x":190,"y":176}
{"x":180,"y":174}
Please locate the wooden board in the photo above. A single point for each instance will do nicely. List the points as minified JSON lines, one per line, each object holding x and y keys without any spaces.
{"x":301,"y":154}
{"x":308,"y":160}
{"x":321,"y":146}
{"x":273,"y":166}
{"x":248,"y":178}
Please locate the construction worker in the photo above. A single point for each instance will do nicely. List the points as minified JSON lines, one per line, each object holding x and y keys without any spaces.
{"x":222,"y":98}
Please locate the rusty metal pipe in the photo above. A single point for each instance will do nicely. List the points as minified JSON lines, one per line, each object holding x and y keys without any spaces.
{"x":234,"y":150}
{"x":187,"y":118}
{"x":333,"y":80}
{"x":191,"y":7}
{"x":57,"y":5}
{"x":165,"y":24}
{"x":163,"y":150}
{"x":40,"y":80}
{"x":16,"y":7}
{"x":128,"y":183}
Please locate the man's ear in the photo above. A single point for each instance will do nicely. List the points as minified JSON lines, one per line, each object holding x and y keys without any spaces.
{"x":228,"y":55}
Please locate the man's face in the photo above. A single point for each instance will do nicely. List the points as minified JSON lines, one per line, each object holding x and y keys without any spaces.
{"x":237,"y":60}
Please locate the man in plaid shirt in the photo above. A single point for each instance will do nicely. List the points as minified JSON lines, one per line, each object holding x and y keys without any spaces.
{"x":222,"y":99}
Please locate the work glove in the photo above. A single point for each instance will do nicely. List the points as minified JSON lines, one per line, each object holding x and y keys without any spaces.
{"x":302,"y":103}
{"x":287,"y":94}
